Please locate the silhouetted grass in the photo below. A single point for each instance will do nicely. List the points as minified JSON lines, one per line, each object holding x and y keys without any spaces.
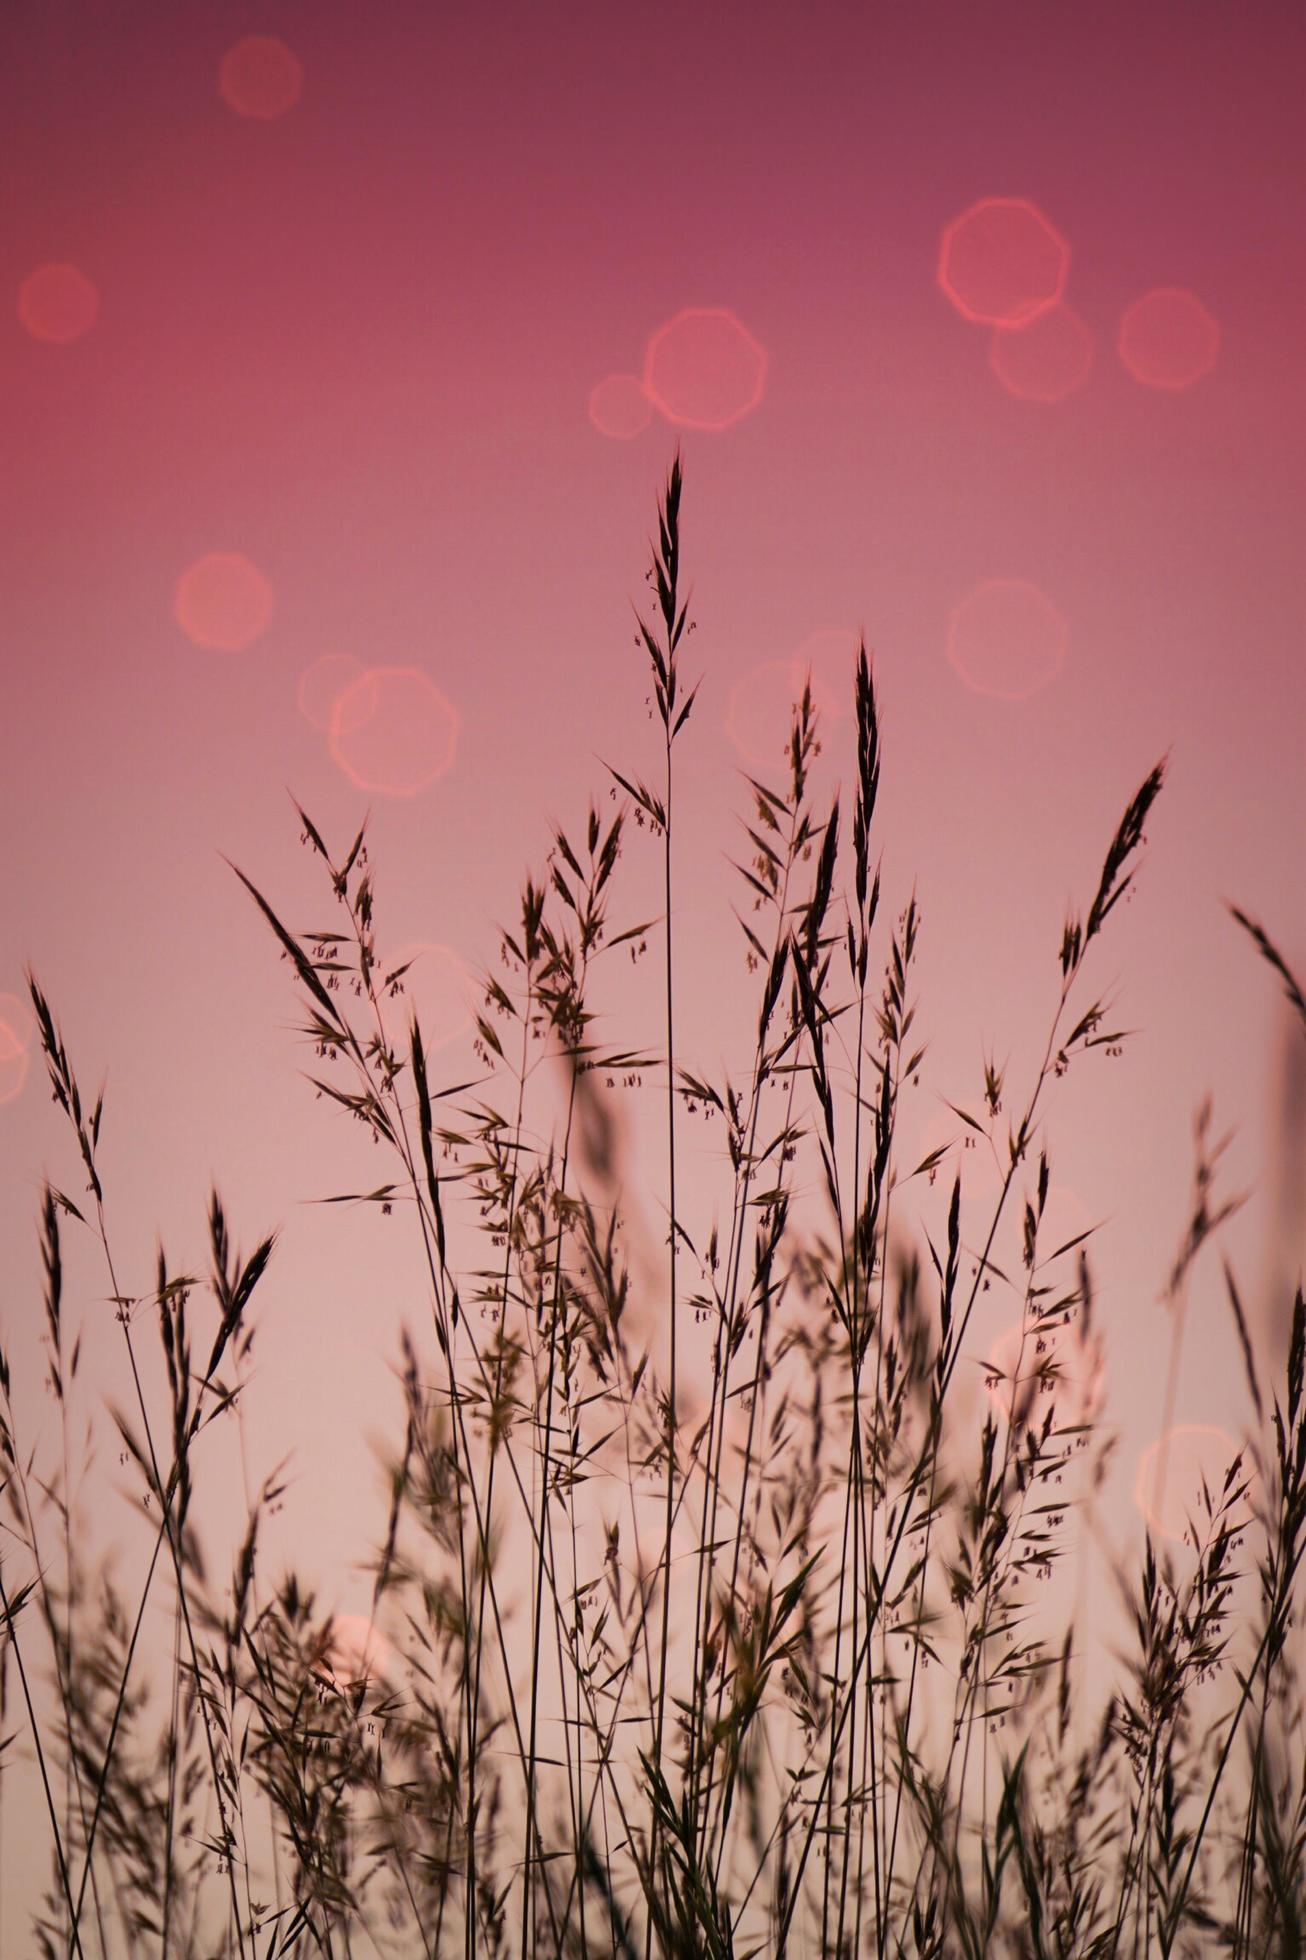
{"x":749,"y":1662}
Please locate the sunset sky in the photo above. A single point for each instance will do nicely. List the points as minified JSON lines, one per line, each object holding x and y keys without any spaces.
{"x":343,"y":354}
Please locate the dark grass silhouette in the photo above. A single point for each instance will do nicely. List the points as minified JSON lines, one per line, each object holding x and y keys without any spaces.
{"x":771,"y":1661}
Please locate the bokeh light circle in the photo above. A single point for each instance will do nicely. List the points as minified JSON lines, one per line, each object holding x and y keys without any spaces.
{"x":58,"y":303}
{"x":831,"y":654}
{"x":439,"y":986}
{"x":16,"y":1031}
{"x":321,"y":685}
{"x":405,"y":742}
{"x":1168,"y":339}
{"x":259,"y":78}
{"x":1046,"y":360}
{"x":1030,"y":1367}
{"x":1192,"y":1451}
{"x":356,"y":1654}
{"x":1007,"y":639}
{"x":704,"y":369}
{"x":760,"y":711}
{"x":16,"y":1014}
{"x":958,"y":1150}
{"x":223,"y":602}
{"x":1002,"y":262}
{"x":619,"y":407}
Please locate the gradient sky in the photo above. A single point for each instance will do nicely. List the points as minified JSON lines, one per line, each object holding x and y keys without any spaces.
{"x":325,"y":367}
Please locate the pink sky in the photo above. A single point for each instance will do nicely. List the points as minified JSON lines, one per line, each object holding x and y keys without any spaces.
{"x":307,"y":354}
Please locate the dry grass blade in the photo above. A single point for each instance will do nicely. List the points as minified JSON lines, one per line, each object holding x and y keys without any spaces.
{"x":1270,"y":953}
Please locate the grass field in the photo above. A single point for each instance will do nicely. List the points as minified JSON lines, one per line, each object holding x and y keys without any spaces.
{"x":784,"y":1658}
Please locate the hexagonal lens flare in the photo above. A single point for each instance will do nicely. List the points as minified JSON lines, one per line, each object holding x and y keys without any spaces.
{"x":619,"y":407}
{"x":321,"y":686}
{"x":760,"y":713}
{"x":1030,"y":1366}
{"x":704,"y":369}
{"x":439,"y":986}
{"x":405,"y":743}
{"x":259,"y":78}
{"x":1002,"y":262}
{"x":1007,"y":639}
{"x":1172,"y":1471}
{"x":16,"y":1028}
{"x":223,"y":602}
{"x":1046,"y":360}
{"x":58,"y":304}
{"x":1168,"y":339}
{"x":357,"y":1653}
